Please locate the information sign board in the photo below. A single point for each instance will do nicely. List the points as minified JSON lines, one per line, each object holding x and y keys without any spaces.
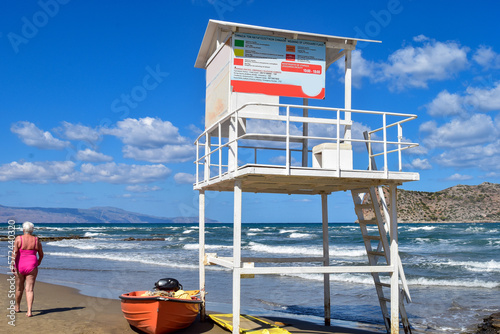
{"x":278,"y":66}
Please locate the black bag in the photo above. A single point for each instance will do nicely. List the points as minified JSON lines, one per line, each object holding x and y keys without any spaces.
{"x":168,"y":284}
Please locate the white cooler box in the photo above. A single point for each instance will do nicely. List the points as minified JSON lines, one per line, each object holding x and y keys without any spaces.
{"x":325,"y":156}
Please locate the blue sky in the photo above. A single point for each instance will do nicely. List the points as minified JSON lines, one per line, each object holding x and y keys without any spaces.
{"x":101,"y":103}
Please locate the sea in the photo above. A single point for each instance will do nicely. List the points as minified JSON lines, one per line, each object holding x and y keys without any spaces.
{"x":453,"y":270}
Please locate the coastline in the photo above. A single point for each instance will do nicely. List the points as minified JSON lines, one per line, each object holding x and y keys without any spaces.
{"x":60,"y":309}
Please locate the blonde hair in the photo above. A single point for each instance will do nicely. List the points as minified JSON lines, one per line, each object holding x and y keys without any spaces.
{"x":28,"y":227}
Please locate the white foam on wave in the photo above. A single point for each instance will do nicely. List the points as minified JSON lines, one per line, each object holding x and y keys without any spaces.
{"x":474,"y":266}
{"x":210,"y":247}
{"x":50,"y":228}
{"x":306,"y":250}
{"x":288,"y":231}
{"x":368,"y":280}
{"x":94,"y":234}
{"x":434,"y":241}
{"x":254,"y":229}
{"x":98,"y":244}
{"x":138,"y":258}
{"x":187,"y":231}
{"x":421,"y":228}
{"x":342,"y":278}
{"x":479,"y":229}
{"x":494,"y":243}
{"x":454,"y":283}
{"x":300,"y":236}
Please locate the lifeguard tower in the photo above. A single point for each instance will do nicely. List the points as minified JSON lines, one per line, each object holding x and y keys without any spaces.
{"x":314,"y":150}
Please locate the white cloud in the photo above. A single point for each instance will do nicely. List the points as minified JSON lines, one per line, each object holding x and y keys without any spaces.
{"x":184,"y":178}
{"x":65,"y":172}
{"x":146,"y":132}
{"x":78,"y":132}
{"x":421,"y":164}
{"x":167,"y":153}
{"x":153,"y":140}
{"x":411,"y":66}
{"x":139,"y":188}
{"x":484,"y":99}
{"x":485,"y":157}
{"x":361,"y":68}
{"x":89,"y":155}
{"x":417,"y":150}
{"x":195,"y":130}
{"x":124,"y":174}
{"x":478,"y":129}
{"x":446,"y":104}
{"x":416,"y":66}
{"x":474,"y":98}
{"x":421,"y":38}
{"x":38,"y":172}
{"x":281,"y":160}
{"x":459,"y":177}
{"x":486,"y":57}
{"x":31,"y":135}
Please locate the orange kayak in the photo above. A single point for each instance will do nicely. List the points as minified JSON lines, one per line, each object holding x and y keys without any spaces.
{"x":158,"y":315}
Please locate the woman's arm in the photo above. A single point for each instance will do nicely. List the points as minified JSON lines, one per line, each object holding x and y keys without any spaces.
{"x":15,"y":254}
{"x":40,"y":252}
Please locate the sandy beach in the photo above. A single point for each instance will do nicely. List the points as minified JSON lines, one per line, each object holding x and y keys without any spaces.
{"x":59,"y":309}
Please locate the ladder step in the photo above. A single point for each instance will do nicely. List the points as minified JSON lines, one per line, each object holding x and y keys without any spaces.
{"x":387,"y":300}
{"x":376,"y":253}
{"x":363,"y":206}
{"x":367,"y":222}
{"x":386,"y":285}
{"x":371,"y":237}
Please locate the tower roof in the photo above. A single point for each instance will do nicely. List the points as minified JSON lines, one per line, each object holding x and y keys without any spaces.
{"x":218,"y":31}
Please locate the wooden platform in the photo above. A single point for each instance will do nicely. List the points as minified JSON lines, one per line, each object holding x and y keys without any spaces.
{"x":302,"y":180}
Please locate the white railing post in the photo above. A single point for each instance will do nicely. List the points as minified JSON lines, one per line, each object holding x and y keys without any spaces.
{"x":386,"y":169}
{"x":400,"y":137}
{"x":206,"y":170}
{"x":236,"y":124}
{"x":197,"y":162}
{"x":287,"y":158}
{"x":220,"y":151}
{"x":370,"y":167}
{"x":338,"y":142}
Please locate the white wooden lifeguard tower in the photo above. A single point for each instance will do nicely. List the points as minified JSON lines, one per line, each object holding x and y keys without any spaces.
{"x":248,"y":68}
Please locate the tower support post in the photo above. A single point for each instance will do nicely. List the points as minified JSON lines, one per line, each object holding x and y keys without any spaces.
{"x":326,"y":257}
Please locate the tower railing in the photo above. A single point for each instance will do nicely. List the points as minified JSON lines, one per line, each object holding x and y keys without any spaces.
{"x":273,"y":134}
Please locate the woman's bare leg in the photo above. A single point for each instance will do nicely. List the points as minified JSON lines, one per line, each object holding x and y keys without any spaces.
{"x":20,"y":279}
{"x":30,"y":286}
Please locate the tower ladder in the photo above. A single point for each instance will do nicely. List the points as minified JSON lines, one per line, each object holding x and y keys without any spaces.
{"x":368,"y":207}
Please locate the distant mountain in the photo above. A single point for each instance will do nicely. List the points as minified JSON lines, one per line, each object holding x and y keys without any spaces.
{"x":99,"y":215}
{"x":460,"y":203}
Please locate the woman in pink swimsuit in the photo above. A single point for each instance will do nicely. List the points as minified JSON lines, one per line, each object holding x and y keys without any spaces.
{"x":26,"y":248}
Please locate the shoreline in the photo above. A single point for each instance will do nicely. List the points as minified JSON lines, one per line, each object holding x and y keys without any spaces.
{"x":61,"y":309}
